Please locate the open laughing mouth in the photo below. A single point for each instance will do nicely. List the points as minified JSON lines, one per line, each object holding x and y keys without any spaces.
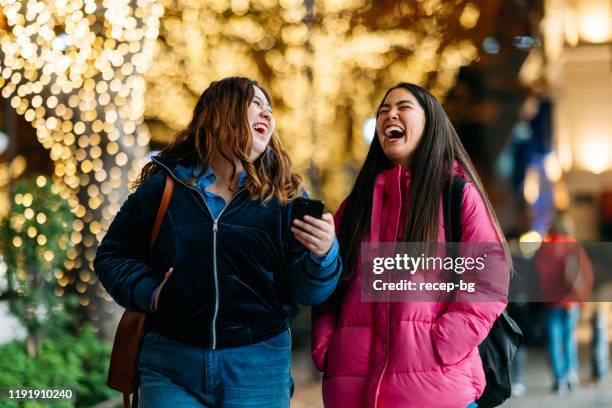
{"x":260,"y":128}
{"x":394,"y":132}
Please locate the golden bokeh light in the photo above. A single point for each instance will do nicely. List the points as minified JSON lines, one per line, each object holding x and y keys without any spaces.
{"x":325,"y":66}
{"x":81,"y":72}
{"x":74,"y":69}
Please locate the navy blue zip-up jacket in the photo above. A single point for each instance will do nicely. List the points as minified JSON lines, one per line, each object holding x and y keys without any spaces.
{"x":236,"y":280}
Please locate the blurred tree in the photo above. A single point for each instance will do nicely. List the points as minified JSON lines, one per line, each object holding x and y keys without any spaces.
{"x":36,"y":243}
{"x":74,"y":70}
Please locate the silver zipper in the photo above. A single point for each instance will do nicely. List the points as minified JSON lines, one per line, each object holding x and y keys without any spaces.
{"x":215,"y":230}
{"x":215,"y":272}
{"x":216,"y":277}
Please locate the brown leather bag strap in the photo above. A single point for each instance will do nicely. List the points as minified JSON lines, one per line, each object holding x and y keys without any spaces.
{"x":126,"y":400}
{"x":161,"y":212}
{"x":122,"y":372}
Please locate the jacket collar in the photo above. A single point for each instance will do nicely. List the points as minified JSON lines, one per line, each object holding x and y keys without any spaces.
{"x":183,"y":173}
{"x":167,"y":167}
{"x":386,"y":205}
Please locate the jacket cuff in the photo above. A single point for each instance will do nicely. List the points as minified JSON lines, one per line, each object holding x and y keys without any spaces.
{"x":328,"y":259}
{"x":143,"y":293}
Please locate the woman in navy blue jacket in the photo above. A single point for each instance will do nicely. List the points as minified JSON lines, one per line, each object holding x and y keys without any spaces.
{"x":224,"y":276}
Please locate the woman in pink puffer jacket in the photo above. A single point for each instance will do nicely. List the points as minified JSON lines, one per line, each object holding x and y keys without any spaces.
{"x":406,"y":354}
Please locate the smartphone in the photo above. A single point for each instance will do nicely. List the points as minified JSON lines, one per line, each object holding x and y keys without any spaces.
{"x":305,"y":206}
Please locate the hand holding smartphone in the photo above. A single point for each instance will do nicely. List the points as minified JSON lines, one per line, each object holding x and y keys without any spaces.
{"x":310,"y":226}
{"x":306,"y":206}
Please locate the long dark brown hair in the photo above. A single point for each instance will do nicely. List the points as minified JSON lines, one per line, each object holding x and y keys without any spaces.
{"x":431,"y":168}
{"x":220,"y":124}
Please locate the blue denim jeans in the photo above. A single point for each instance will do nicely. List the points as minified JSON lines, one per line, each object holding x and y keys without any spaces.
{"x":174,"y":374}
{"x":561,"y":330}
{"x":600,"y":346}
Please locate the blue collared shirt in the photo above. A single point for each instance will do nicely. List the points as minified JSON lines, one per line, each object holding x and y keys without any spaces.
{"x":216,"y":204}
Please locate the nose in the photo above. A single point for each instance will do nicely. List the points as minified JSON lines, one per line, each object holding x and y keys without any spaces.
{"x":393,"y":113}
{"x":265,"y":114}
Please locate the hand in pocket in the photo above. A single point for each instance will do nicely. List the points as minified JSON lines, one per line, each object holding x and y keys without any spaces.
{"x":161,"y":285}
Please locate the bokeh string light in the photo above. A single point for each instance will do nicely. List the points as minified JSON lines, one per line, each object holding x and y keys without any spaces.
{"x":326,"y":65}
{"x":74,"y":70}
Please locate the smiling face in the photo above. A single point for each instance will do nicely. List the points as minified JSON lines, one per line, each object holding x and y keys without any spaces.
{"x":400,"y":123}
{"x":261,"y":123}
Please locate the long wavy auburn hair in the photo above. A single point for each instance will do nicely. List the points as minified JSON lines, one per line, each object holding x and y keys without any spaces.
{"x":220,"y":125}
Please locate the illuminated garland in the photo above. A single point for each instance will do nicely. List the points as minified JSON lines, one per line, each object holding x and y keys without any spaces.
{"x":325,"y":67}
{"x":74,"y":70}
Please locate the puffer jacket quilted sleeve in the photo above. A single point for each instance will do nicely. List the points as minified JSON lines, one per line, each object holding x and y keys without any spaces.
{"x":471,"y":321}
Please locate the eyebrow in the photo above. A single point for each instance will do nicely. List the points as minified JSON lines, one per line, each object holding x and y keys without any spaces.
{"x":408,"y":101}
{"x":403,"y":101}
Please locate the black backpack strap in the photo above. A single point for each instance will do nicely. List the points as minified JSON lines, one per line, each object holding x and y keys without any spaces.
{"x":452,"y":197}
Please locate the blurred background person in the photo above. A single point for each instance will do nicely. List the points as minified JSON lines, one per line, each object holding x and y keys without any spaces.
{"x":566,"y":280}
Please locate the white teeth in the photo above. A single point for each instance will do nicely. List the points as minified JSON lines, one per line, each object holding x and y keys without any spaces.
{"x":393,"y":128}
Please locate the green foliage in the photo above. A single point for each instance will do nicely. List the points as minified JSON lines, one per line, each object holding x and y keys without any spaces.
{"x":57,"y":354}
{"x":35,"y":245}
{"x":79,"y":363}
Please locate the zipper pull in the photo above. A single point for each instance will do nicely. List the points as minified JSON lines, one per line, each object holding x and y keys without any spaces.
{"x":215,"y":226}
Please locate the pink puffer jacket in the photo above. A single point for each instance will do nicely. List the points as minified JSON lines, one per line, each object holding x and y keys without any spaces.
{"x":390,"y":355}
